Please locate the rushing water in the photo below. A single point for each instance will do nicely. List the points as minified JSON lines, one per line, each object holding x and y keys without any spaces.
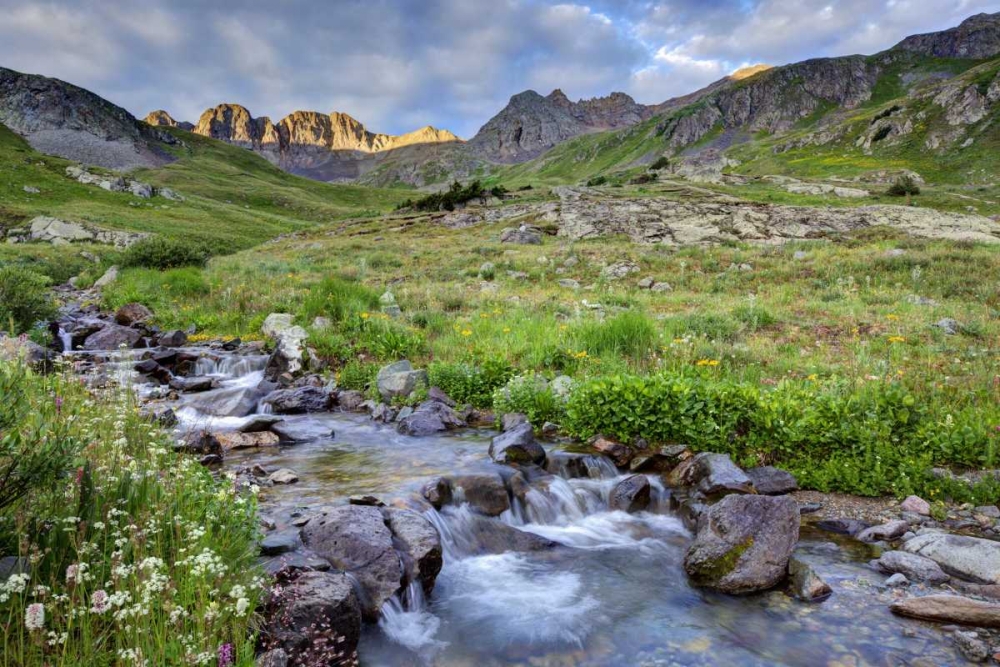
{"x":613,"y":593}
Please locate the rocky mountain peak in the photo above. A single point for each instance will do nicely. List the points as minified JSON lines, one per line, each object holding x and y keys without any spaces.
{"x":161,"y":118}
{"x":976,"y":37}
{"x":747,"y":72}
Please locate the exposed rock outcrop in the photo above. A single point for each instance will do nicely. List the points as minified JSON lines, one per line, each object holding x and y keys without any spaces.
{"x":163,"y":119}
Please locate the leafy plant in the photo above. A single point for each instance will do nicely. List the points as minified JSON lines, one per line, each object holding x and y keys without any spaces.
{"x":531,"y":396}
{"x":157,"y":252}
{"x":24,"y":299}
{"x":468,"y":383}
{"x":904,"y":186}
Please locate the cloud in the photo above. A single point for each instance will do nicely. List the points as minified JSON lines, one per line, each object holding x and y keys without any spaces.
{"x":398,"y":64}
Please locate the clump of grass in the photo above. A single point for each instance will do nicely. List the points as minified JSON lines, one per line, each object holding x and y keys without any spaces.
{"x":630,"y":334}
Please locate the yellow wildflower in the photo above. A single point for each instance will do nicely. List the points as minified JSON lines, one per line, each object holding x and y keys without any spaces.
{"x":896,"y":339}
{"x":707,"y":362}
{"x":466,"y":332}
{"x":365,"y":316}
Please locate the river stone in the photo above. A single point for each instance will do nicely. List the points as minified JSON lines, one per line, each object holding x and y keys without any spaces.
{"x":712,"y":474}
{"x":283,"y":476}
{"x":917,"y":505}
{"x":229,"y":402}
{"x":438,"y":492}
{"x":419,"y":540}
{"x":276,"y":544}
{"x":971,"y":646}
{"x":517,"y":446}
{"x":109,"y":277}
{"x":485,"y":492}
{"x":429,"y":417}
{"x":805,"y":584}
{"x":175,"y":338}
{"x":301,"y":400}
{"x":969,"y":558}
{"x":112,"y":337}
{"x":193,"y":385}
{"x":621,"y":455}
{"x":842,"y":526}
{"x":355,"y":538}
{"x":891,"y":530}
{"x":399,"y":380}
{"x":132,"y":313}
{"x":259,"y":423}
{"x":317,"y":616}
{"x":632,"y":494}
{"x":743,"y":543}
{"x":771,"y":481}
{"x":950,"y":609}
{"x":480,"y":535}
{"x":914,"y":567}
{"x":231,"y":440}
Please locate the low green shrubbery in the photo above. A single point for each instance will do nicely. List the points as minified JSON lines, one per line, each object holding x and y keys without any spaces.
{"x":138,"y":556}
{"x":469,"y":383}
{"x":531,"y":396}
{"x":24,"y":299}
{"x":157,"y":252}
{"x":453,"y":196}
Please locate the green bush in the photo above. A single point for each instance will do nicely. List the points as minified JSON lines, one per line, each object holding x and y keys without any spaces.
{"x":903,"y":186}
{"x":447,"y":200}
{"x":468,"y":383}
{"x":157,"y":252}
{"x":597,"y":180}
{"x":531,"y":396}
{"x":357,"y":375}
{"x":661,"y":163}
{"x":24,"y":299}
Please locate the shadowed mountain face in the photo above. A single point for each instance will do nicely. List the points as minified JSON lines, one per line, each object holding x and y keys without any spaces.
{"x":977,"y":37}
{"x":61,"y":119}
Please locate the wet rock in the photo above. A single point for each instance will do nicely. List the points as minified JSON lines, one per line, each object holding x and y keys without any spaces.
{"x":428,"y":418}
{"x":283,"y":476}
{"x":436,"y":394}
{"x":517,"y":445}
{"x":175,"y":338}
{"x":161,"y":415}
{"x":316,"y":617}
{"x":891,"y":530}
{"x":621,"y":455}
{"x":419,"y":540}
{"x":279,"y":543}
{"x":971,"y":646}
{"x":485,"y":492}
{"x":771,"y":481}
{"x":917,"y":505}
{"x":259,"y":423}
{"x":661,"y":460}
{"x":232,"y":402}
{"x":810,"y":508}
{"x":370,"y":501}
{"x":199,"y":442}
{"x":480,"y":535}
{"x":970,"y":558}
{"x":897,"y":580}
{"x":712,"y":475}
{"x":632,"y":494}
{"x":743,"y":543}
{"x":350,"y":400}
{"x":805,"y":584}
{"x":512,"y":420}
{"x":152,"y":369}
{"x":133,"y":313}
{"x":232,"y":440}
{"x":356,"y":540}
{"x":399,"y":380}
{"x":950,"y":609}
{"x":193,"y":384}
{"x":842,"y":526}
{"x":301,"y":400}
{"x":914,"y":567}
{"x":112,"y":337}
{"x":384,"y":413}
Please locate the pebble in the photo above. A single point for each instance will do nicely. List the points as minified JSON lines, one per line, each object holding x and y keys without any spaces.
{"x":897,"y":580}
{"x":283,"y":476}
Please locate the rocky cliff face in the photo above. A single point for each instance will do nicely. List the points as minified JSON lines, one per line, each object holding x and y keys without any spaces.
{"x":977,"y":37}
{"x":309,"y":143}
{"x":161,"y":118}
{"x":531,"y":124}
{"x":61,"y":119}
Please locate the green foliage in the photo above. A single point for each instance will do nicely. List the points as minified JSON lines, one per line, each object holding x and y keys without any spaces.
{"x":357,"y":375}
{"x":453,"y":196}
{"x":338,"y":298}
{"x":531,"y":396}
{"x":157,"y":252}
{"x":596,"y":181}
{"x":470,"y":383}
{"x":24,"y":299}
{"x":642,"y":179}
{"x":903,"y":186}
{"x":629,"y":334}
{"x":662,"y":162}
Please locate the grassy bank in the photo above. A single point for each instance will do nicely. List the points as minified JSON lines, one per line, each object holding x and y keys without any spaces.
{"x":129,"y":554}
{"x":847,"y":323}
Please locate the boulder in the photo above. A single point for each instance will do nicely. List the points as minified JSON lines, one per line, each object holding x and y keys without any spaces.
{"x":632,"y":494}
{"x":512,"y":420}
{"x":517,"y":446}
{"x":275,"y":323}
{"x":199,"y":442}
{"x":109,"y":277}
{"x":133,"y":313}
{"x":356,"y":539}
{"x":771,"y":481}
{"x":112,"y":337}
{"x":259,"y":423}
{"x":970,"y":558}
{"x":912,"y":566}
{"x":350,"y":400}
{"x":438,"y":492}
{"x":288,"y":355}
{"x":175,"y":338}
{"x":428,"y":418}
{"x":276,"y":544}
{"x":619,"y":270}
{"x":283,"y":476}
{"x":743,"y":543}
{"x":143,"y":190}
{"x":619,"y":454}
{"x":712,"y":475}
{"x":193,"y":384}
{"x":230,"y":440}
{"x":399,"y":380}
{"x":842,"y":526}
{"x":480,"y":535}
{"x":416,"y":537}
{"x":891,"y":530}
{"x":917,"y":505}
{"x":950,"y":609}
{"x":523,"y":235}
{"x":317,"y":618}
{"x":301,"y":400}
{"x":485,"y":492}
{"x":805,"y":584}
{"x":436,"y":394}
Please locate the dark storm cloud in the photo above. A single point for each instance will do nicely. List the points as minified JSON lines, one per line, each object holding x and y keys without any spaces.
{"x":399,"y":64}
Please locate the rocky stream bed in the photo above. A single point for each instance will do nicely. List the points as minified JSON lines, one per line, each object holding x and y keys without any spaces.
{"x":426,"y":536}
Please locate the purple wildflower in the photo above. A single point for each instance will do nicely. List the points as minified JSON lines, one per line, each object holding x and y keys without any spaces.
{"x":227,"y":657}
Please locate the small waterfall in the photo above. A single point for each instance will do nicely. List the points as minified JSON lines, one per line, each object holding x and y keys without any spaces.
{"x":230,"y":367}
{"x":407,"y":621}
{"x":65,"y":340}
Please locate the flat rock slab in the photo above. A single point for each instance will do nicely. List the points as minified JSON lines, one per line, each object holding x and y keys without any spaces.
{"x":950,"y":609}
{"x":912,"y":566}
{"x":969,"y":558}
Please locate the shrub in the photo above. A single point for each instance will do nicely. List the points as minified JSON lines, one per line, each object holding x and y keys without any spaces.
{"x":642,"y":179}
{"x":447,"y":200}
{"x":24,"y":299}
{"x":531,"y":396}
{"x":357,"y":375}
{"x":661,"y":163}
{"x":903,"y":186}
{"x":597,"y":180}
{"x":161,"y":253}
{"x":468,"y":383}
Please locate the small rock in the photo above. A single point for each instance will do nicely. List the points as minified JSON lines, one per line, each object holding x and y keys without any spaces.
{"x":897,"y":580}
{"x":887,"y":531}
{"x":517,"y":445}
{"x":370,"y":501}
{"x":971,"y":646}
{"x":569,"y":283}
{"x":916,"y":504}
{"x":279,"y":543}
{"x":949,"y":326}
{"x":645,"y":283}
{"x":283,"y":476}
{"x":805,"y":584}
{"x":632,"y":494}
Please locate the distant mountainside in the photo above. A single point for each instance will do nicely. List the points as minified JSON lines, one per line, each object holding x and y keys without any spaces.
{"x":164,"y":119}
{"x":61,"y":119}
{"x":327,"y":147}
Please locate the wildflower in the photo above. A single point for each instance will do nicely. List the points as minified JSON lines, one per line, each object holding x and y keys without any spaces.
{"x":99,"y":601}
{"x":242,"y":605}
{"x":34,"y":617}
{"x":365,"y":316}
{"x":226,"y":656}
{"x":59,"y":403}
{"x":892,"y":316}
{"x":71,"y":573}
{"x":707,"y":362}
{"x":896,"y":339}
{"x":813,"y":377}
{"x":506,"y":329}
{"x":466,"y":332}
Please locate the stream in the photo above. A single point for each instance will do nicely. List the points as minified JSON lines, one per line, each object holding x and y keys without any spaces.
{"x":613,"y":593}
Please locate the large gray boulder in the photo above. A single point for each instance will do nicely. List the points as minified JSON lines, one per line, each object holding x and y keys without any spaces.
{"x":112,"y":337}
{"x":632,"y":494}
{"x":743,"y":543}
{"x":355,"y":539}
{"x":428,"y":418}
{"x":289,"y":345}
{"x":399,"y":380}
{"x":301,"y":400}
{"x":712,"y":475}
{"x":316,"y":617}
{"x":419,"y":540}
{"x":969,"y":558}
{"x":771,"y":481}
{"x":517,"y":445}
{"x":950,"y":609}
{"x":485,"y":492}
{"x":912,"y":566}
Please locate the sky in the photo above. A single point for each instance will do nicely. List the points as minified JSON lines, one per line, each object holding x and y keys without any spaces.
{"x":397,"y":65}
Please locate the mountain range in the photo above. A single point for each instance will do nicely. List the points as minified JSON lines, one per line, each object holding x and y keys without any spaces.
{"x":943,"y":88}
